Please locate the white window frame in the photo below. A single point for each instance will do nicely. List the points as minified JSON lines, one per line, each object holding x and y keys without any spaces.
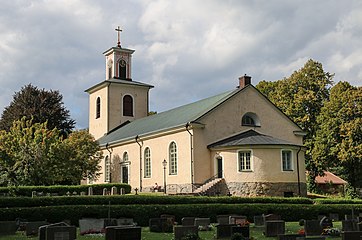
{"x":147,"y":162}
{"x":290,"y":165}
{"x":247,"y":151}
{"x":172,"y":156}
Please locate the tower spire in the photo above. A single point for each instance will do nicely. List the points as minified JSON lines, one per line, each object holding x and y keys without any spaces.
{"x":119,"y":30}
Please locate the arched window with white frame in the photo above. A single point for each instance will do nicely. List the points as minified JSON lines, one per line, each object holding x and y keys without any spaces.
{"x":147,"y":162}
{"x":173,"y":158}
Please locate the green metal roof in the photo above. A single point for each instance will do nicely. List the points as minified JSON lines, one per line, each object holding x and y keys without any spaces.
{"x":165,"y":120}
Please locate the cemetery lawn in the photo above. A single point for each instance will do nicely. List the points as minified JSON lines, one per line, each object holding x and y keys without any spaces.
{"x":256,"y":232}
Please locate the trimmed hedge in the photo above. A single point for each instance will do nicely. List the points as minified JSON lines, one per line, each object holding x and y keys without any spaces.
{"x":141,"y":200}
{"x":337,"y":201}
{"x":61,"y":190}
{"x":142,"y":213}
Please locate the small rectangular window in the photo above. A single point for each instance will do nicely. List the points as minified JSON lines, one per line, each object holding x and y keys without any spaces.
{"x":287,"y":160}
{"x":244,"y":161}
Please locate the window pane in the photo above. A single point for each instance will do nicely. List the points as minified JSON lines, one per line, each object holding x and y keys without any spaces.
{"x":287,"y":160}
{"x":147,"y":158}
{"x":173,"y":158}
{"x":127,"y":106}
{"x":244,"y":160}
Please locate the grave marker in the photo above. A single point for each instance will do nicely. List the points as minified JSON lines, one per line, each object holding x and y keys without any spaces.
{"x":203,"y":224}
{"x":124,"y":233}
{"x":182,"y":231}
{"x":274,"y":227}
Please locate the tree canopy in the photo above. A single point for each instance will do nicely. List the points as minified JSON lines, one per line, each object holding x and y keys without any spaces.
{"x":39,"y":105}
{"x":338,"y":142}
{"x":32,"y":154}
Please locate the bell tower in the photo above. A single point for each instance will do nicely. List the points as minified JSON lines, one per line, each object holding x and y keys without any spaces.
{"x":118,"y":99}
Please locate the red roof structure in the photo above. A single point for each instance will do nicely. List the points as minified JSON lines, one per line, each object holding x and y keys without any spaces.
{"x":329,"y":178}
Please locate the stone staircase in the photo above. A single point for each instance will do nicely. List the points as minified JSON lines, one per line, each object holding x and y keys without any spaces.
{"x":212,"y":188}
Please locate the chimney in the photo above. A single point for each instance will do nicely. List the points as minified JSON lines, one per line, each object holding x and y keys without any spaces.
{"x":244,"y":81}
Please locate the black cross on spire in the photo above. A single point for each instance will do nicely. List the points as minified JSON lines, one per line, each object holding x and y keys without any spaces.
{"x":119,"y":30}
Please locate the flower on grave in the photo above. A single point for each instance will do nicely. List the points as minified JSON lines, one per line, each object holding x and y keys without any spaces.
{"x":301,"y":231}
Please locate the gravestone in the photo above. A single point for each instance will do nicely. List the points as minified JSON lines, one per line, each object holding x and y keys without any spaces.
{"x":312,"y":238}
{"x":171,"y":218}
{"x":114,"y":190}
{"x":224,"y":230}
{"x":312,"y":228}
{"x":8,"y":227}
{"x":355,"y":235}
{"x":349,"y":225}
{"x":122,"y":191}
{"x":238,"y":220}
{"x":271,"y":217}
{"x":223,"y":219}
{"x":288,"y":236}
{"x":105,"y":191}
{"x":258,"y":221}
{"x":160,"y":225}
{"x":182,"y":231}
{"x":203,"y":224}
{"x":243,"y":230}
{"x":274,"y":227}
{"x":188,"y":221}
{"x":125,"y":221}
{"x":124,"y":233}
{"x":90,"y":191}
{"x":61,"y":233}
{"x":31,"y":228}
{"x":42,"y":229}
{"x":326,"y":222}
{"x":91,"y":225}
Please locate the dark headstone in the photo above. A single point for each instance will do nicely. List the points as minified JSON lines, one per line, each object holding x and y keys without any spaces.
{"x":355,"y":235}
{"x":31,"y":228}
{"x":243,"y":230}
{"x":223,"y":219}
{"x":160,"y":225}
{"x":182,"y":231}
{"x":124,"y":233}
{"x":258,"y":221}
{"x":274,"y":227}
{"x":188,"y":221}
{"x":61,"y":233}
{"x":271,"y":217}
{"x":203,"y":224}
{"x":349,"y":225}
{"x":42,"y":230}
{"x":326,"y":222}
{"x":312,"y":228}
{"x":8,"y":227}
{"x":224,"y":230}
{"x":288,"y":236}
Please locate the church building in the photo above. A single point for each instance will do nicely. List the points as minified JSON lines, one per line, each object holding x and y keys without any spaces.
{"x":236,"y":143}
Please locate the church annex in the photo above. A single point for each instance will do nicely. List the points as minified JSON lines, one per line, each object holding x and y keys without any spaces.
{"x":236,"y":142}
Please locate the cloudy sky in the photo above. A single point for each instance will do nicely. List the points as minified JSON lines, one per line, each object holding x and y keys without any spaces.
{"x":187,"y":49}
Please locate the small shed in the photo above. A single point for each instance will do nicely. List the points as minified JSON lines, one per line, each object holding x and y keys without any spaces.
{"x":330,"y":183}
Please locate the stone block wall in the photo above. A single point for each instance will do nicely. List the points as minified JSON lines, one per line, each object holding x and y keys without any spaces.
{"x":278,"y":189}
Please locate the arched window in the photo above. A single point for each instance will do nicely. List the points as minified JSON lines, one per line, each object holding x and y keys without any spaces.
{"x":250,"y":119}
{"x":98,"y":107}
{"x":122,"y":69}
{"x":128,"y":106}
{"x":173,"y":158}
{"x":107,"y":169}
{"x":125,"y":157}
{"x":147,"y":158}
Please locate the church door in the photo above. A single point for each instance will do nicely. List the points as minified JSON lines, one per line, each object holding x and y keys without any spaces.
{"x":219,"y":167}
{"x":124,"y":174}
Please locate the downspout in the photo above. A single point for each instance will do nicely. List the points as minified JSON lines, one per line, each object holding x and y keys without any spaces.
{"x":110,"y":150}
{"x":108,"y":107}
{"x":140,"y":144}
{"x":299,"y":193}
{"x":192,"y":155}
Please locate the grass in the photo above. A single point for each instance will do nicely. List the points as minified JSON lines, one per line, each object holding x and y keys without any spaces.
{"x":255,"y":232}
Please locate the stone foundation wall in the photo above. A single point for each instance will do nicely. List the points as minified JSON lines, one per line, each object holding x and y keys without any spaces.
{"x":253,"y":189}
